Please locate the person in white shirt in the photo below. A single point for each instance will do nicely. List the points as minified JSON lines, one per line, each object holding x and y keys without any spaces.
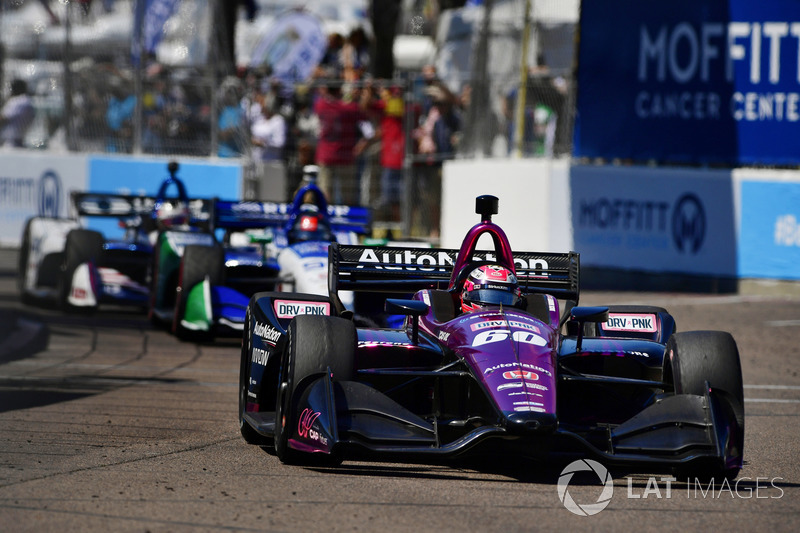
{"x":268,"y":132}
{"x":16,"y":116}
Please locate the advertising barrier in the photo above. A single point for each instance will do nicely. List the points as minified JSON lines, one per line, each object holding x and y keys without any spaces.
{"x":769,"y":238}
{"x":32,"y":185}
{"x":655,"y":219}
{"x":694,"y":81}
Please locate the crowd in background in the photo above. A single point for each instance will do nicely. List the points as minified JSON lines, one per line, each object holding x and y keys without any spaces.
{"x":366,"y":135}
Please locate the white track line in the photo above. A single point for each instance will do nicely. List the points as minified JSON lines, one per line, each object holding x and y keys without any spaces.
{"x":773,"y":387}
{"x":782,"y":323}
{"x":769,"y":400}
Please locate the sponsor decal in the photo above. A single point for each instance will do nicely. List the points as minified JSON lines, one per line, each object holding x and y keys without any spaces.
{"x":49,"y":194}
{"x":79,"y":293}
{"x":502,"y":324}
{"x":426,"y":297}
{"x":519,"y":385}
{"x":521,"y":374}
{"x":436,"y":261}
{"x":648,"y":223}
{"x":528,"y":403}
{"x":623,"y":322}
{"x":443,"y":336}
{"x":305,"y":427}
{"x":267,"y":333}
{"x":259,"y":356}
{"x":529,"y":408}
{"x":787,"y":231}
{"x":688,"y":224}
{"x":290,"y":308}
{"x":498,"y":335}
{"x":369,"y":344}
{"x":492,"y":368}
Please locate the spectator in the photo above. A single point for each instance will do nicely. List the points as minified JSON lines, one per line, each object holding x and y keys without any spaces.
{"x":544,"y":99}
{"x":354,"y":55}
{"x":268,"y":132}
{"x":16,"y":116}
{"x":330,"y":65}
{"x":336,"y":146}
{"x":230,"y":123}
{"x":391,"y":134}
{"x":303,"y":132}
{"x":436,"y":140}
{"x":119,"y":118}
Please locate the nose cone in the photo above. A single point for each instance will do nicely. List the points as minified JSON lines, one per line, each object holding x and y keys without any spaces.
{"x":530,"y":422}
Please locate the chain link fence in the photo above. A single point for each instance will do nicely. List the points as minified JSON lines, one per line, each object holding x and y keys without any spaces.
{"x":378,"y":143}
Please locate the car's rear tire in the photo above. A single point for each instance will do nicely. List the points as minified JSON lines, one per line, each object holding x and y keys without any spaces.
{"x":695,"y":357}
{"x":82,"y":246}
{"x":22,"y":265}
{"x":249,"y":434}
{"x":313,"y":345}
{"x":197,"y":262}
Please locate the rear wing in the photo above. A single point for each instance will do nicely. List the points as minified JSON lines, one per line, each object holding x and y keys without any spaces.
{"x":251,"y":215}
{"x":88,"y":204}
{"x":389,"y":269}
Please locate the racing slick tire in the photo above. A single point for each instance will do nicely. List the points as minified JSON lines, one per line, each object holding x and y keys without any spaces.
{"x":197,"y":262}
{"x":22,"y":265}
{"x":694,"y":357}
{"x":314,"y":343}
{"x":82,"y":246}
{"x":250,"y":435}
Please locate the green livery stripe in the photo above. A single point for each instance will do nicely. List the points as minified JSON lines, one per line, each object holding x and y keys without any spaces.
{"x":197,"y":315}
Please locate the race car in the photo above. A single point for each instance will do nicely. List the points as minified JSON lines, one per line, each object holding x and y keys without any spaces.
{"x":80,"y":268}
{"x":495,"y":356}
{"x":203,"y":289}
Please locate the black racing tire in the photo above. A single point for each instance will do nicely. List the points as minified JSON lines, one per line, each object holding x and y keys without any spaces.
{"x":250,"y":435}
{"x":197,"y":262}
{"x":22,"y":264}
{"x":313,"y":344}
{"x":694,"y":357}
{"x":81,"y":246}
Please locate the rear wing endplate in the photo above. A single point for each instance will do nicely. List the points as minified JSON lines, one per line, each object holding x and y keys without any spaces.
{"x":389,"y":269}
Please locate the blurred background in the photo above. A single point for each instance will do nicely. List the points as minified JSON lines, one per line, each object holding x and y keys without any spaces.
{"x":649,"y":136}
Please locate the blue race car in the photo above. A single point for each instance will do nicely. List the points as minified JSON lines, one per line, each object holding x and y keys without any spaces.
{"x":204,"y":287}
{"x":81,"y":268}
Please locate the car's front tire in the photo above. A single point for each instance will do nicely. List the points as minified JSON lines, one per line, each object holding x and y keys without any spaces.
{"x":313,"y":345}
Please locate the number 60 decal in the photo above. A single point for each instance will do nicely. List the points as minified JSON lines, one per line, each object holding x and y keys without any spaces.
{"x":497,"y":335}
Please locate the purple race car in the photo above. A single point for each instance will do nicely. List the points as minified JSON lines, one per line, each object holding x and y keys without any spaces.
{"x":494,"y":356}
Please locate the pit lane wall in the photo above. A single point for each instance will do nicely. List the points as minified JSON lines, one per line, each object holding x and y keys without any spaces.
{"x":708,"y":223}
{"x":39,"y":184}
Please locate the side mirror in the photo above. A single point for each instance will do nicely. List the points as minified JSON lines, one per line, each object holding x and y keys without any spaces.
{"x":581,"y":315}
{"x":413,"y":308}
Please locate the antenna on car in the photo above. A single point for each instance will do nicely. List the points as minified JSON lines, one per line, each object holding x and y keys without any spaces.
{"x":310,"y":172}
{"x":172,"y":168}
{"x":486,"y":206}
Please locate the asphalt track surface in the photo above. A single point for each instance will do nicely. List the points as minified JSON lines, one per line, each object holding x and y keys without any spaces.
{"x":107,"y":424}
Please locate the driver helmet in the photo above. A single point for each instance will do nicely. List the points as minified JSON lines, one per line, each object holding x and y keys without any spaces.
{"x":310,"y":225}
{"x":490,"y":285}
{"x":171,"y":214}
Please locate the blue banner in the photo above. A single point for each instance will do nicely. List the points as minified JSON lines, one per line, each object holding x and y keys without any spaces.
{"x":150,"y":16}
{"x":690,"y":81}
{"x":769,"y":244}
{"x":144,"y":177}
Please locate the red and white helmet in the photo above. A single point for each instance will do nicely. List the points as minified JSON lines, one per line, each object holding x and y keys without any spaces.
{"x":490,"y":285}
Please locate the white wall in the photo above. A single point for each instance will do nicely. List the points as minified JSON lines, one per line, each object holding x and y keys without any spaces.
{"x":534,"y":208}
